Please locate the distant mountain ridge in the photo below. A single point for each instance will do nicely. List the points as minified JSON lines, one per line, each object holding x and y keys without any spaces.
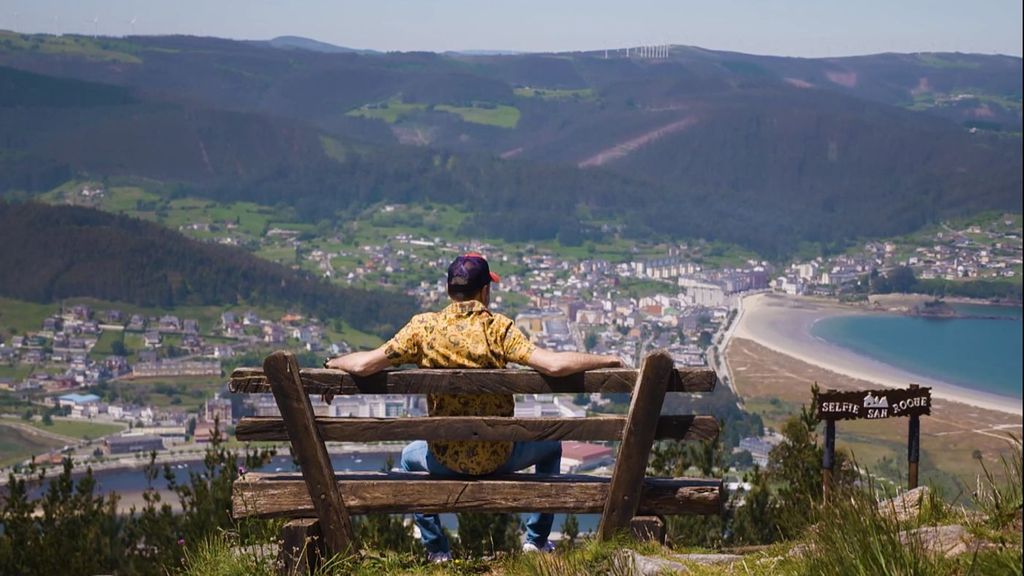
{"x":301,"y":43}
{"x":762,"y":151}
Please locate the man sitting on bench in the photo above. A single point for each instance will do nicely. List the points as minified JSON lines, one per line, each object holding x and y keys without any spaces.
{"x":467,"y":335}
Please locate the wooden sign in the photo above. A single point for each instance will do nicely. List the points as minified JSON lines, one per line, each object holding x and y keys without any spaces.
{"x":874,"y":404}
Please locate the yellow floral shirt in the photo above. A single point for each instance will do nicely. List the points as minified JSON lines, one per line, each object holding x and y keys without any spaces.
{"x":464,"y":335}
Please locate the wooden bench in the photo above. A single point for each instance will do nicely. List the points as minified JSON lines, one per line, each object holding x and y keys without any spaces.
{"x":325,"y":500}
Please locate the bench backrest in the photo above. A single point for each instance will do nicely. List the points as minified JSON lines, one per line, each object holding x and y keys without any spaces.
{"x":620,"y":498}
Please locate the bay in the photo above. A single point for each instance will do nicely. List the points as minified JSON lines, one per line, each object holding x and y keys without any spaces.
{"x":981,"y":351}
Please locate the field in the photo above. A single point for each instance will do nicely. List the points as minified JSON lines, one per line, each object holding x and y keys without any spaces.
{"x":78,"y":428}
{"x":18,"y":316}
{"x":185,"y":394}
{"x":94,"y":49}
{"x":104,"y":346}
{"x":556,"y":94}
{"x":499,"y":115}
{"x":775,"y":386}
{"x":390,"y":111}
{"x":17,"y":444}
{"x":200,"y":218}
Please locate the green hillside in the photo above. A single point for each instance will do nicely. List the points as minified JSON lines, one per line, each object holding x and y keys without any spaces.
{"x":64,"y":252}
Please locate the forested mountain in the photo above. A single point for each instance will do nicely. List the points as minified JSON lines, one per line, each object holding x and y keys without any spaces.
{"x":53,"y":252}
{"x":762,"y":151}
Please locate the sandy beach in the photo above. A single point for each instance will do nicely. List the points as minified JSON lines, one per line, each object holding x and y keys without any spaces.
{"x":783,"y":324}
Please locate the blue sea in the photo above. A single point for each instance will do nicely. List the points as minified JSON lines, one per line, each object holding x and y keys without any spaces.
{"x":981,"y":351}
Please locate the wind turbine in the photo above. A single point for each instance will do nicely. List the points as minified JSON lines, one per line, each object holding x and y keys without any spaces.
{"x":132,"y":23}
{"x":95,"y":26}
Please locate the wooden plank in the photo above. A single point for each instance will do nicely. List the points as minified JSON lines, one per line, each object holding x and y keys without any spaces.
{"x":277,"y":495}
{"x":483,"y":381}
{"x":637,"y":436}
{"x":309,"y":450}
{"x":686,"y":427}
{"x":301,"y":551}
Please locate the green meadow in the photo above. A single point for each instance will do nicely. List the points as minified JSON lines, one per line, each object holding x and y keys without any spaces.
{"x":499,"y":115}
{"x":390,"y":111}
{"x":78,"y":428}
{"x":556,"y":93}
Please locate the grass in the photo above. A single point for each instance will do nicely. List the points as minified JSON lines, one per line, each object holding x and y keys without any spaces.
{"x":500,"y":115}
{"x":854,"y":535}
{"x":641,"y":288}
{"x":17,"y":445}
{"x":338,"y":150}
{"x":19,"y":316}
{"x":106,"y":49}
{"x":937,"y":61}
{"x":222,"y":556}
{"x":15,"y":372}
{"x":556,"y":93}
{"x":104,"y":346}
{"x":356,"y":338}
{"x":78,"y":428}
{"x":390,"y":111}
{"x":187,"y":393}
{"x":393,"y":110}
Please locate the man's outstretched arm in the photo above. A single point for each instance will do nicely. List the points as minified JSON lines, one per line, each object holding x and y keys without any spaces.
{"x":361,"y":363}
{"x":565,"y":363}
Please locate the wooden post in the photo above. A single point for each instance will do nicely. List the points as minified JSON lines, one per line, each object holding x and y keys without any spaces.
{"x":913,"y":447}
{"x":308,"y":448}
{"x":301,"y":547}
{"x":648,"y":528}
{"x":635,"y":448}
{"x":828,"y":458}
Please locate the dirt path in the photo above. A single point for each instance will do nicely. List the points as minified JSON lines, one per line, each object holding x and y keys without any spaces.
{"x":624,"y":149}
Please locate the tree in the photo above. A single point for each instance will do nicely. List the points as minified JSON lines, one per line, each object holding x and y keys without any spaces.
{"x":755,"y":522}
{"x":482,"y":534}
{"x":704,"y":340}
{"x":386,"y":531}
{"x":47,"y":419}
{"x":570,"y":530}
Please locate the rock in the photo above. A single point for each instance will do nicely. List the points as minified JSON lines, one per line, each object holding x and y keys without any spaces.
{"x":652,"y":565}
{"x":946,"y":540}
{"x":675,"y":564}
{"x":707,"y":559}
{"x":906,"y":506}
{"x":801,"y":550}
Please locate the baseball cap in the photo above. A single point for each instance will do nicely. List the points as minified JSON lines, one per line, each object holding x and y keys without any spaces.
{"x":469,"y":273}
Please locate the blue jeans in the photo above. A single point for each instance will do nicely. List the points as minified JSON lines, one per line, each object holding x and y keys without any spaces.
{"x":547,"y":456}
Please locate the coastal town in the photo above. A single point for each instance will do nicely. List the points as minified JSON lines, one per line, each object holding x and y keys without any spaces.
{"x":82,"y":363}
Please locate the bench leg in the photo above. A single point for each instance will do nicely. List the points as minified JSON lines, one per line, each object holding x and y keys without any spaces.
{"x":308,"y":447}
{"x":648,"y":528}
{"x":637,"y":436}
{"x":301,"y":547}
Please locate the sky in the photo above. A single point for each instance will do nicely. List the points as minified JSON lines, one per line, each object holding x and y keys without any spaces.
{"x":811,"y":28}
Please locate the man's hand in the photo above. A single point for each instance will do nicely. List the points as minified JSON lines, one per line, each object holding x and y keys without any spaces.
{"x":360,"y":363}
